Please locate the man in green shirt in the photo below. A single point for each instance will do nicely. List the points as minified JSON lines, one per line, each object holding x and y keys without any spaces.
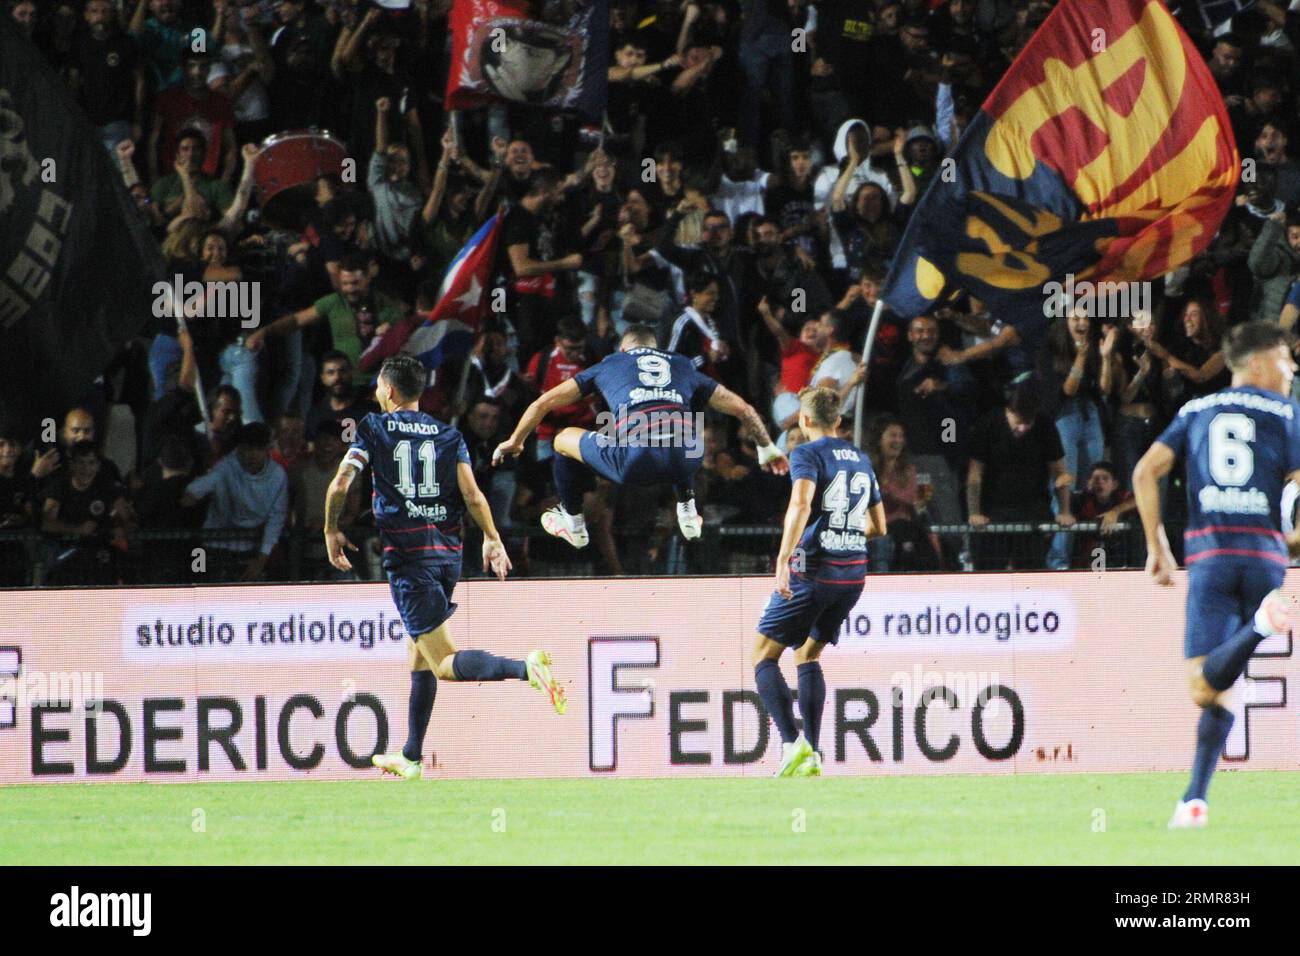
{"x":168,"y":193}
{"x":356,"y":313}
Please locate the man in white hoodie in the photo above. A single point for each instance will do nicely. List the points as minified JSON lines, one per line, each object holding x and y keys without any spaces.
{"x":852,"y":147}
{"x":249,"y":491}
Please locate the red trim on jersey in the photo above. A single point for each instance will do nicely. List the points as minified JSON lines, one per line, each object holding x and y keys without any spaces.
{"x":431,"y":547}
{"x":1233,"y":529}
{"x":1238,"y":552}
{"x":643,"y":411}
{"x":854,"y":561}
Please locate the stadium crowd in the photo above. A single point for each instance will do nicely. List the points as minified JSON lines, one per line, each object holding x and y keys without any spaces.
{"x":744,"y":196}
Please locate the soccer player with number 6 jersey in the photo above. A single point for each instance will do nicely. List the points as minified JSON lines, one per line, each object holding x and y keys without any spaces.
{"x":835,"y":508}
{"x":423,"y":484}
{"x":1241,"y":446}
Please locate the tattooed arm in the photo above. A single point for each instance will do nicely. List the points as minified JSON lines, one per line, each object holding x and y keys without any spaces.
{"x":727,"y":401}
{"x":336,"y":499}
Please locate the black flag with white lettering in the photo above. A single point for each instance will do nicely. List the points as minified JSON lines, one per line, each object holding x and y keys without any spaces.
{"x":77,"y":262}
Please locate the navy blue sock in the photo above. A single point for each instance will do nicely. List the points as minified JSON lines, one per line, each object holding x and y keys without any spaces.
{"x":1211,"y":733}
{"x":776,"y":697}
{"x":424,"y":688}
{"x":480,"y":665}
{"x":572,"y":481}
{"x":1224,"y":664}
{"x":812,"y":699}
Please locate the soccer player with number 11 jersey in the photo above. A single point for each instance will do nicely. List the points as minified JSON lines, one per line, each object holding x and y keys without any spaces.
{"x":423,"y":485}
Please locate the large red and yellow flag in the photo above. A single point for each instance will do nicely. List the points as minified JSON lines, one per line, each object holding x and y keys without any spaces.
{"x":1105,"y":152}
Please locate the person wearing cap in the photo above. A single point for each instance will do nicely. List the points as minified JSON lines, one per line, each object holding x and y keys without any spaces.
{"x":921,"y":152}
{"x":248,"y":491}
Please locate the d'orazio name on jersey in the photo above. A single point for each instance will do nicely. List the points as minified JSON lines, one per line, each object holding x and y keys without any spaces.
{"x":411,"y":428}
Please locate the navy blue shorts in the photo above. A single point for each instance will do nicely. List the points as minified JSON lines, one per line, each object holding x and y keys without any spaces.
{"x":422,"y":593}
{"x":640,"y":465}
{"x":1222,"y":595}
{"x":815,"y":610}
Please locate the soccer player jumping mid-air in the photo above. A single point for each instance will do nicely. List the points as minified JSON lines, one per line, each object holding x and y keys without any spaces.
{"x":835,"y":508}
{"x":652,"y":395}
{"x":423,"y":483}
{"x":1241,"y":445}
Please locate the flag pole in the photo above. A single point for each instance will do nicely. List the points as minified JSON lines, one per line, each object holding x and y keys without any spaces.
{"x":860,"y":406}
{"x":178,"y":306}
{"x":462,"y":388}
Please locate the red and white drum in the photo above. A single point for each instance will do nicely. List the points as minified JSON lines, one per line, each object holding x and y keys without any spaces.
{"x":293,"y":160}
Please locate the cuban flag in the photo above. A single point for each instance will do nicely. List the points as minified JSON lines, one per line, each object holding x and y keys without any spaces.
{"x":463,"y":294}
{"x":447,"y":332}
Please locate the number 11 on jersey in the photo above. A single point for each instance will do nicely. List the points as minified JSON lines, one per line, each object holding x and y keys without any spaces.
{"x":406,"y":486}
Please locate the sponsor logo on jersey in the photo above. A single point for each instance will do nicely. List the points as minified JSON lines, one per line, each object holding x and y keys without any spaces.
{"x":1237,"y":501}
{"x":433,"y":513}
{"x":843,"y":540}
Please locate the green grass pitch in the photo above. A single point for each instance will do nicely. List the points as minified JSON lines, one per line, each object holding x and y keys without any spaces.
{"x":1032,"y":819}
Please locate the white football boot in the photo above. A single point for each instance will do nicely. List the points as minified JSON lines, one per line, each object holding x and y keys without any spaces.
{"x":1273,"y":616}
{"x":398,"y":765}
{"x":567,"y":527}
{"x":689,"y":520}
{"x":1190,"y":815}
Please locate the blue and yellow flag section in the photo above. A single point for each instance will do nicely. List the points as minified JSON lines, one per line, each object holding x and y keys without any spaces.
{"x":1105,"y":152}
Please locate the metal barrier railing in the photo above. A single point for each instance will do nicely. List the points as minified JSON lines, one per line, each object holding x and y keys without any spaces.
{"x":194,"y":556}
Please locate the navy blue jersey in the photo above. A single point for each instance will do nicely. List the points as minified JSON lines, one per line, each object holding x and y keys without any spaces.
{"x":417,"y":501}
{"x":646,"y":382}
{"x":1240,"y":445}
{"x":834,"y":543}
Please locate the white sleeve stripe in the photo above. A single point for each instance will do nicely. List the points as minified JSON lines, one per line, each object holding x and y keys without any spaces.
{"x":1290,"y":494}
{"x":678,"y":328}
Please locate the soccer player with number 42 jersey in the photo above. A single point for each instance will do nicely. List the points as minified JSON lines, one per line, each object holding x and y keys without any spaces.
{"x":423,"y":483}
{"x":835,"y":508}
{"x":1241,"y":446}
